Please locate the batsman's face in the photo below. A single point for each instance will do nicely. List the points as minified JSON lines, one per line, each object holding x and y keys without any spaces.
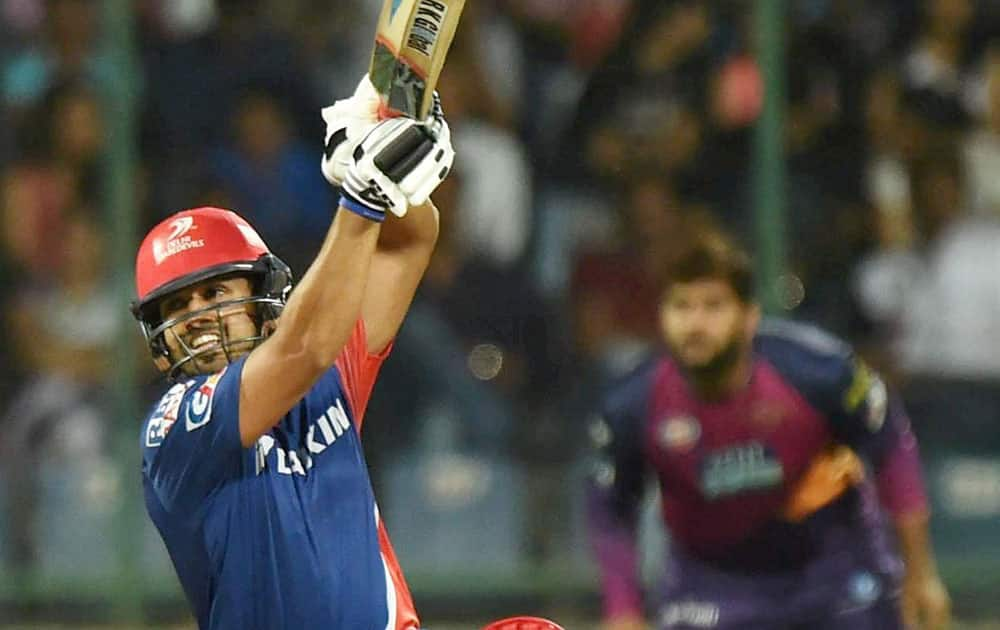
{"x":202,"y":336}
{"x":706,"y":324}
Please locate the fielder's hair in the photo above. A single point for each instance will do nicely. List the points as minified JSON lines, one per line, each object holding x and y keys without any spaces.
{"x":708,"y":253}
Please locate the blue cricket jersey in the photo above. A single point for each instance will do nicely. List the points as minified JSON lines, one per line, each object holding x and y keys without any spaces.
{"x":286,"y":533}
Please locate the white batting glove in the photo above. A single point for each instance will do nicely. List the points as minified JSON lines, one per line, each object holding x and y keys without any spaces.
{"x":347,"y":122}
{"x":399,"y":163}
{"x":428,"y":175}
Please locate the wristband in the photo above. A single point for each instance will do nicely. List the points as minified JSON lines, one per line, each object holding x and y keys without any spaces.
{"x":361,"y":209}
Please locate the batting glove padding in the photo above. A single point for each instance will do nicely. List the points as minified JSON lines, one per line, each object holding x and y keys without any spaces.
{"x":347,"y":122}
{"x":435,"y":166}
{"x":398,"y":164}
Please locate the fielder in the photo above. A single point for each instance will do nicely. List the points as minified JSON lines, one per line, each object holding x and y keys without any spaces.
{"x":764,"y":439}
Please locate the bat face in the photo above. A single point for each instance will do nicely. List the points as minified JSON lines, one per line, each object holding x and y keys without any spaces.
{"x":411,"y":44}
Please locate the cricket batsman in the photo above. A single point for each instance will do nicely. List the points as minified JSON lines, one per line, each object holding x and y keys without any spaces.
{"x":775,"y":450}
{"x":252,"y":462}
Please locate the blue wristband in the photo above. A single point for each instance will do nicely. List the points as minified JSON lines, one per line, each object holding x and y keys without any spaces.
{"x":359,"y":208}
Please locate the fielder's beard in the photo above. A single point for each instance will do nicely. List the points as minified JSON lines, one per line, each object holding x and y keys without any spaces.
{"x":712,"y":376}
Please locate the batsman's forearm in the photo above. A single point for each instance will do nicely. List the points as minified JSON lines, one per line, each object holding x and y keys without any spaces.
{"x":312,"y":330}
{"x":418,"y":229}
{"x":326,"y":304}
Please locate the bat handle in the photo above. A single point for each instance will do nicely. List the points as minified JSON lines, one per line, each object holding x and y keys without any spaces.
{"x":404,"y":153}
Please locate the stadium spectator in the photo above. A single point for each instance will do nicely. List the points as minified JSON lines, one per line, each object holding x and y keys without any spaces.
{"x":272,"y":177}
{"x":64,"y":334}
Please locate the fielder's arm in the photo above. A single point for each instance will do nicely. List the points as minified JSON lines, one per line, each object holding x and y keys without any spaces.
{"x":925,"y":599}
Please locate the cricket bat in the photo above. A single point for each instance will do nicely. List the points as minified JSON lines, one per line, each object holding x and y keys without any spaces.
{"x":411,"y":43}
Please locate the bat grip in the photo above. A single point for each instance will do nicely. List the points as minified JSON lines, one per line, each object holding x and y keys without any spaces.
{"x":401,"y":155}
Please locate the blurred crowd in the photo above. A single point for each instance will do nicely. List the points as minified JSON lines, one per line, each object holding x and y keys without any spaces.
{"x":589,"y":133}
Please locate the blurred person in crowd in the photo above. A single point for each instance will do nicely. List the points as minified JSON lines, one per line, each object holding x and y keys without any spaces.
{"x":188,"y":112}
{"x":942,"y":255}
{"x":271,"y":176}
{"x":613,"y":289}
{"x":558,"y":42}
{"x":514,"y":345}
{"x":261,"y":491}
{"x":761,"y":436}
{"x":330,"y":40}
{"x":639,"y":109}
{"x":981,"y":149}
{"x":894,"y":138}
{"x":936,"y":67}
{"x":494,"y":201}
{"x":67,"y":51}
{"x":57,"y":171}
{"x":64,"y":334}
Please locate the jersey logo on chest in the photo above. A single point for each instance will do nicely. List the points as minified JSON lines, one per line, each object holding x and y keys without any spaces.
{"x":323,"y":432}
{"x":739,"y":468}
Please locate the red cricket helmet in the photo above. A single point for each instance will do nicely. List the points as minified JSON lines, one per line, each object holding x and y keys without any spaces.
{"x":195,"y":245}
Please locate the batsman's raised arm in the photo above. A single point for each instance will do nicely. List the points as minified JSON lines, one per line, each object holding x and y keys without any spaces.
{"x":407,"y":239}
{"x":313,"y":328}
{"x":357,"y":273}
{"x":401,"y":257}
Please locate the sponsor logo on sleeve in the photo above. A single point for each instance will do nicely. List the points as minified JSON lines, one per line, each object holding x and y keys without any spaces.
{"x":860,"y":385}
{"x":867,"y":394}
{"x":877,"y":402}
{"x":199,"y":408}
{"x":165,"y":415}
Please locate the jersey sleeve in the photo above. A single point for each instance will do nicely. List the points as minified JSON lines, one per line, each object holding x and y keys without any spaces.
{"x":615,"y":489}
{"x":837,"y":383}
{"x":358,"y":370}
{"x":860,"y":410}
{"x":899,"y":478}
{"x":191,"y":443}
{"x":863,"y":414}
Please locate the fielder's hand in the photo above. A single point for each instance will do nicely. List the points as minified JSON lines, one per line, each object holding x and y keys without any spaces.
{"x":925,"y":602}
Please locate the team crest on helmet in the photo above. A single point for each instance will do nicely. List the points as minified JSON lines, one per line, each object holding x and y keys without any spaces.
{"x":678,"y":433}
{"x":177,"y":241}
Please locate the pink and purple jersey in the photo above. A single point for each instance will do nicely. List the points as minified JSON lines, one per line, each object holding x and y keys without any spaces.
{"x":286,"y":533}
{"x":746,"y":482}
